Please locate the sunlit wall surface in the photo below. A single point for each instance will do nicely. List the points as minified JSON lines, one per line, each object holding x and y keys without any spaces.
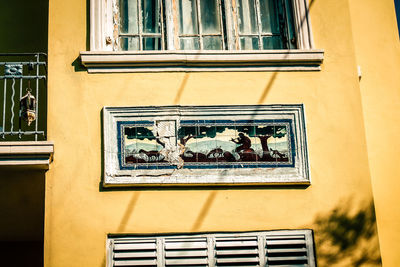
{"x":338,"y":204}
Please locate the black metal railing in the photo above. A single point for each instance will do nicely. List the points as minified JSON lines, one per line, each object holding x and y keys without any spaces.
{"x":21,"y":73}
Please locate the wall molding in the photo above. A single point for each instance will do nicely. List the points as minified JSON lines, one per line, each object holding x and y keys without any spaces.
{"x":31,"y":155}
{"x":194,"y":61}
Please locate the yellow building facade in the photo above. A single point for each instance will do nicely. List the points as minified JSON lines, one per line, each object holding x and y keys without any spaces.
{"x":347,"y":84}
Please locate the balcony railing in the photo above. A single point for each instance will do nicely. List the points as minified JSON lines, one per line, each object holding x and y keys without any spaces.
{"x":20,"y":73}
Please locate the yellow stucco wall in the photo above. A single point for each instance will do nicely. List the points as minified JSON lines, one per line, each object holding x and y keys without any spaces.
{"x":79,"y":216}
{"x":378,"y":53}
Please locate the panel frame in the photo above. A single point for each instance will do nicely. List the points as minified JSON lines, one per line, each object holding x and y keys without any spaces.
{"x":116,"y":175}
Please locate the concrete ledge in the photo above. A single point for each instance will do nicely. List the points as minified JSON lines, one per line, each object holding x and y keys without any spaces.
{"x":190,"y":61}
{"x":26,"y":155}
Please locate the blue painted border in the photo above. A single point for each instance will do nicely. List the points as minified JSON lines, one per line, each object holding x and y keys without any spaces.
{"x":238,"y":165}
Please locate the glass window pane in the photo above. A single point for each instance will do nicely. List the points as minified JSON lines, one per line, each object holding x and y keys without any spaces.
{"x":189,"y":43}
{"x":129,"y":16}
{"x":151,"y":43}
{"x":272,"y":42}
{"x":212,"y":43}
{"x":249,"y":43}
{"x":290,"y":25}
{"x":209,"y":16}
{"x":151,"y":16}
{"x":187,"y":17}
{"x":269,"y":16}
{"x":129,"y":43}
{"x":247,"y":16}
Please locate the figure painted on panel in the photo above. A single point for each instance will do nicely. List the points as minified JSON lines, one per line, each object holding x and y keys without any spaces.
{"x":243,"y":141}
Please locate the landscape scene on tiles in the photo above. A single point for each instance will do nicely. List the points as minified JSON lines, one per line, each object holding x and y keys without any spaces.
{"x":211,"y":144}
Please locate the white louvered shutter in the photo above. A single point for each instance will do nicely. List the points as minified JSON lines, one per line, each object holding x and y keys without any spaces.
{"x":135,"y":252}
{"x":289,"y":250}
{"x":272,"y":248}
{"x":237,"y":251}
{"x":186,"y":251}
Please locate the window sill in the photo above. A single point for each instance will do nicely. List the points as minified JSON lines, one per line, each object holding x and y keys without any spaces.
{"x":193,"y":61}
{"x":26,"y":155}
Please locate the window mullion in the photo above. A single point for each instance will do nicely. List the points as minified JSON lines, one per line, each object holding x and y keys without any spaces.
{"x":140,"y":28}
{"x":221,"y":23}
{"x":230,"y":25}
{"x":200,"y":28}
{"x":258,"y":17}
{"x":160,"y":7}
{"x":289,"y":24}
{"x":171,"y":30}
{"x":286,"y":19}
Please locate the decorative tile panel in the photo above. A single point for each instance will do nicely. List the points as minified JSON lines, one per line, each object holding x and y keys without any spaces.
{"x":205,"y":145}
{"x":13,"y":70}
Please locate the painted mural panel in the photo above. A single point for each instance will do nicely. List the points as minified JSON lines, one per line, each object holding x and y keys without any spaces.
{"x":216,"y":143}
{"x":205,"y":145}
{"x":140,"y":145}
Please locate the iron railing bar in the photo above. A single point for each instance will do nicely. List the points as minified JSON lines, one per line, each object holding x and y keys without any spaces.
{"x":19,"y":113}
{"x":37,"y":97}
{"x":4,"y":105}
{"x":37,"y":61}
{"x":23,"y":133}
{"x":12,"y":104}
{"x":23,"y":54}
{"x":25,"y":77}
{"x":22,"y":63}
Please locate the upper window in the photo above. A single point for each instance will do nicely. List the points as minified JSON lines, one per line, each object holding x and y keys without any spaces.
{"x":200,"y":35}
{"x":205,"y":25}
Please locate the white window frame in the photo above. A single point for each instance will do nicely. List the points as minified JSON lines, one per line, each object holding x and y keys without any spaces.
{"x":296,"y":171}
{"x":212,"y":249}
{"x":102,"y":56}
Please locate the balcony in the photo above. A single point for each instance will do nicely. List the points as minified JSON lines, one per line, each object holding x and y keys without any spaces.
{"x":23,"y":122}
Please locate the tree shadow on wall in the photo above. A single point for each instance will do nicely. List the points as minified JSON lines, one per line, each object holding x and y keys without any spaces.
{"x":347,"y":238}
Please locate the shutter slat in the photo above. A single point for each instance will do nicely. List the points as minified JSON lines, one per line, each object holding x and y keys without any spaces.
{"x":237,"y":252}
{"x":149,"y":254}
{"x":136,"y":263}
{"x":188,"y":253}
{"x":286,"y":242}
{"x":237,"y":260}
{"x":187,"y":239}
{"x":237,"y":244}
{"x":191,"y":245}
{"x":138,"y":246}
{"x":287,"y":250}
{"x":236,"y":238}
{"x":291,"y":258}
{"x":184,"y":262}
{"x":285,"y":237}
{"x":132,"y":241}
